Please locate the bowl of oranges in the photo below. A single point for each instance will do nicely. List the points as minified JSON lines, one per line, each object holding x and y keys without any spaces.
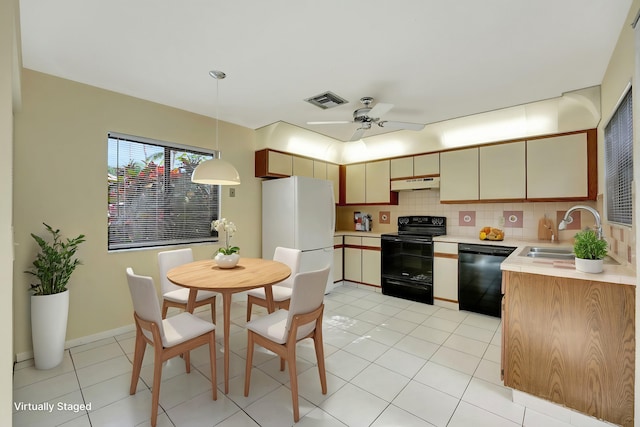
{"x":490,"y":233}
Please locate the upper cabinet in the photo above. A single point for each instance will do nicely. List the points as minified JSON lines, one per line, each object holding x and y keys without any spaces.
{"x":502,"y":171}
{"x":302,"y":166}
{"x":415,"y":166}
{"x":368,"y":183}
{"x":426,"y":164}
{"x":273,"y":164}
{"x":333,"y":175}
{"x":562,"y":167}
{"x":459,"y":179}
{"x":355,"y":184}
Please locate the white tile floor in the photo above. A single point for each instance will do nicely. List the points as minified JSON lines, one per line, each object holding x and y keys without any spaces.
{"x":390,"y":362}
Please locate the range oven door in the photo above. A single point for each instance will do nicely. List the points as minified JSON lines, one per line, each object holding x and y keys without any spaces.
{"x":407,"y":267}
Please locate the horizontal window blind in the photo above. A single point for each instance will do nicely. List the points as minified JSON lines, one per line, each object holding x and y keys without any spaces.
{"x":619,"y":162}
{"x":151,"y":199}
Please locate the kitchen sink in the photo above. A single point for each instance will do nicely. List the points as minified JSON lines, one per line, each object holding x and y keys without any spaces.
{"x":562,"y":252}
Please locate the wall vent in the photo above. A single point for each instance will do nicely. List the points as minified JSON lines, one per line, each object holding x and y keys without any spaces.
{"x":326,"y":100}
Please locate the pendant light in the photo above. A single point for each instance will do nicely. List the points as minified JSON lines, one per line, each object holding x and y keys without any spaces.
{"x":216,"y":171}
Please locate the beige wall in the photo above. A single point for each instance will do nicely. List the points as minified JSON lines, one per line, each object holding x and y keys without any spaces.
{"x":60,"y":178}
{"x":9,"y":95}
{"x":621,"y":71}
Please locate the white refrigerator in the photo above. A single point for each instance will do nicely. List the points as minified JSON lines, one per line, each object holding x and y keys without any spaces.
{"x":300,"y":213}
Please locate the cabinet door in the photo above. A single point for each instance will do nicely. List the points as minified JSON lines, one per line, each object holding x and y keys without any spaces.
{"x":459,"y":175}
{"x":503,"y":171}
{"x":371,"y":266}
{"x":333,"y":175}
{"x":355,"y":185}
{"x":378,"y":185}
{"x":353,"y":264}
{"x":337,"y":264}
{"x":426,"y":164}
{"x":445,"y":272}
{"x":557,"y":167}
{"x":279,"y":163}
{"x":402,"y":167}
{"x":302,"y":166}
{"x":319,"y":169}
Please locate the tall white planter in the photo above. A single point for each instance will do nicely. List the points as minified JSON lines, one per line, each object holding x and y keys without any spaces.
{"x":49,"y":315}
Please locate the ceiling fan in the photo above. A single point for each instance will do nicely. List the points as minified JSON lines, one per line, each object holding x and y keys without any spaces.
{"x":367,"y":115}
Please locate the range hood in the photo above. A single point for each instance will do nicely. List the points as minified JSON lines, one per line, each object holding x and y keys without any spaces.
{"x":415,"y":184}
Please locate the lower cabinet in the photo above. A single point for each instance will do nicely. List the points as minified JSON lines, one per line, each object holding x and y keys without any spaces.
{"x":362,"y":260}
{"x":338,"y":250}
{"x":445,"y":274}
{"x":572,"y":342}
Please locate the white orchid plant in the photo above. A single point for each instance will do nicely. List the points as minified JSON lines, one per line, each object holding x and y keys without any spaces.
{"x":228,"y":228}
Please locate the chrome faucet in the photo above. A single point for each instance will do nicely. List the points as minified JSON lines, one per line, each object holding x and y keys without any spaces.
{"x":568,"y":219}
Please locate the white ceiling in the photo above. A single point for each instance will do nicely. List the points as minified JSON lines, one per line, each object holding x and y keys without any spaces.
{"x":433,"y":59}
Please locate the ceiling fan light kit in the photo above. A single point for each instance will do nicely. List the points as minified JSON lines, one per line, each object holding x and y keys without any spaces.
{"x":216,"y":171}
{"x":367,"y":115}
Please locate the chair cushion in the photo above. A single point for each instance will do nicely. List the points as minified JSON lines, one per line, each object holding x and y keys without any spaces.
{"x":183,"y":327}
{"x":280,"y":293}
{"x":182,"y":295}
{"x":271,"y":326}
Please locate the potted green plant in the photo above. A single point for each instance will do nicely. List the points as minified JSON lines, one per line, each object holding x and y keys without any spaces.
{"x":53,"y":266}
{"x":590,"y":251}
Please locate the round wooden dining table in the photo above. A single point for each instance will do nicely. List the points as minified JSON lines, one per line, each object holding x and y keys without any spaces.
{"x":250,"y":273}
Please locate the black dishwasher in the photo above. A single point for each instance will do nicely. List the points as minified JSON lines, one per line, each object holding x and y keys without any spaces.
{"x":480,"y":277}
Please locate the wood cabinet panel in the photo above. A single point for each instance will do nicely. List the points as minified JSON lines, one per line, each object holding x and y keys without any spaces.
{"x":503,"y":171}
{"x":280,"y":164}
{"x":459,"y":179}
{"x":353,"y":264}
{"x":371,"y":265}
{"x":426,"y":164}
{"x":571,"y":342}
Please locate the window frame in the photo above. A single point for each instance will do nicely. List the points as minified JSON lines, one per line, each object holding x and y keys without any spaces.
{"x":165,"y":188}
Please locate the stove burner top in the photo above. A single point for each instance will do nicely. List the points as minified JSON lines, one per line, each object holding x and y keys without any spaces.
{"x":422,"y":225}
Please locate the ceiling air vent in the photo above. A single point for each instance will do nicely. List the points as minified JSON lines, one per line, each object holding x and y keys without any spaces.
{"x":326,"y":100}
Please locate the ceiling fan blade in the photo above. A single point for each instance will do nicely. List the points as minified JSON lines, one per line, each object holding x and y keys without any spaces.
{"x":358,"y":134}
{"x":379,"y":110}
{"x":400,"y":125}
{"x":335,"y":122}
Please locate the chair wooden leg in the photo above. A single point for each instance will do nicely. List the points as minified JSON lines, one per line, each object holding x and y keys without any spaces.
{"x":187,"y":361}
{"x":247,"y":374}
{"x":138,"y":355}
{"x":165,"y":309}
{"x":212,"y":361}
{"x":293,"y":379}
{"x":317,"y":342}
{"x":249,"y":305}
{"x":155,"y":392}
{"x":282,"y":364}
{"x":213,"y":311}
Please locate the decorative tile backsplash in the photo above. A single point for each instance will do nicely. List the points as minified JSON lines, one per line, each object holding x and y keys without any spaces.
{"x":498,"y":215}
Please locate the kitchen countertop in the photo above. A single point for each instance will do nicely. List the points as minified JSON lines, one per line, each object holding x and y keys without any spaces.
{"x":621,"y":274}
{"x":357,"y":233}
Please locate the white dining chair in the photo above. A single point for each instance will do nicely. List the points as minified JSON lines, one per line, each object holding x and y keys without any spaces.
{"x":176,"y":296}
{"x":170,"y":337}
{"x":281,"y":330}
{"x":281,"y":290}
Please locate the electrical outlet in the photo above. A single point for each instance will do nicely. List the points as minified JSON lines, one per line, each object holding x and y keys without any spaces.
{"x":232,"y":192}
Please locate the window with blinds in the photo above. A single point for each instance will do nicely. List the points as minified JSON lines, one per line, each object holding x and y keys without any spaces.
{"x":618,"y":144}
{"x":151,"y":199}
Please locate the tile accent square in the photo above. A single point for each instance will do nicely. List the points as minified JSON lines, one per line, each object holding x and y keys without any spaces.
{"x":573,"y":225}
{"x":512,"y":219}
{"x":384,"y":217}
{"x":467,"y":218}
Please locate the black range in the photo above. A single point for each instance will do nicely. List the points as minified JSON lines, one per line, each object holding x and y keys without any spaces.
{"x":407,"y":257}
